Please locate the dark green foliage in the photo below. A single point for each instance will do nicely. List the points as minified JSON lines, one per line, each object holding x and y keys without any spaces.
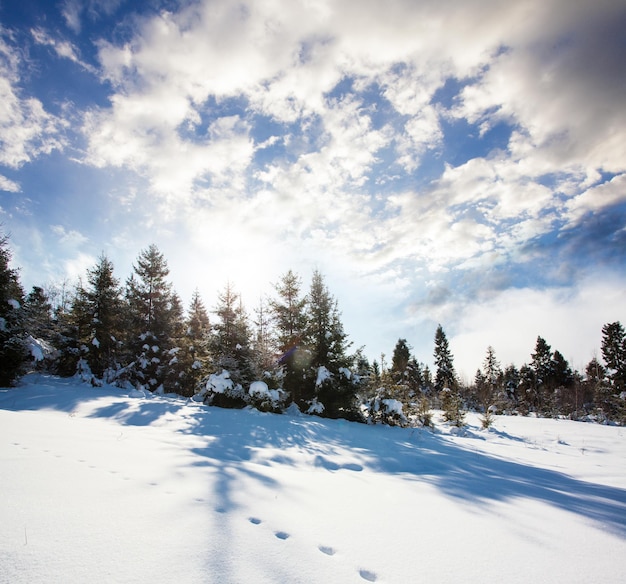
{"x":445,"y":376}
{"x":614,"y":353}
{"x":13,"y":351}
{"x":154,"y":319}
{"x":452,"y":407}
{"x":38,"y":314}
{"x":193,"y":360}
{"x":400,"y":362}
{"x":98,"y":311}
{"x":231,"y":347}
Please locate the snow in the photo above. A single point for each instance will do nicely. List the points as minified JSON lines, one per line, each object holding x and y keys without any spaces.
{"x":38,"y":348}
{"x":95,"y":342}
{"x":322,"y":375}
{"x":219,"y":383}
{"x":260,"y":389}
{"x":101,"y":487}
{"x":14,"y":303}
{"x":393,"y":406}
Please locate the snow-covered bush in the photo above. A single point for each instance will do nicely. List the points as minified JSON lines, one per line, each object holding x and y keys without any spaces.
{"x":264,"y":399}
{"x":220,"y":390}
{"x":385,"y":410}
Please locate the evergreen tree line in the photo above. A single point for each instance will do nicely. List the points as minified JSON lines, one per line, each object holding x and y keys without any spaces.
{"x":292,"y":351}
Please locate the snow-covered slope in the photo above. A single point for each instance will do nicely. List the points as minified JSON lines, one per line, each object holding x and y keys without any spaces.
{"x":98,"y":486}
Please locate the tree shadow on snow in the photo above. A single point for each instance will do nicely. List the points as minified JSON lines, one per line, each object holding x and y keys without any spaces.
{"x":457,"y":471}
{"x":245,"y":444}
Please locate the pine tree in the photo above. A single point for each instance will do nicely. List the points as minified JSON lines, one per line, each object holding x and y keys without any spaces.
{"x":492,"y":378}
{"x":543,"y":368}
{"x":614,"y":353}
{"x":153,"y":316}
{"x":445,"y":375}
{"x":38,"y":314}
{"x":231,"y":342}
{"x":98,"y":308}
{"x":194,"y":360}
{"x":400,"y":362}
{"x":13,"y":353}
{"x":262,"y":346}
{"x":333,"y":385}
{"x":290,"y":321}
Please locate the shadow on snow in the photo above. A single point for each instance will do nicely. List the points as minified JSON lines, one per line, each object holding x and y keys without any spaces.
{"x":235,"y":438}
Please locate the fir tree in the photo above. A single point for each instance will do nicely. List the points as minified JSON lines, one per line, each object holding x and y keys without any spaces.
{"x":543,"y":369}
{"x":98,"y":308}
{"x":153,"y":316}
{"x":38,"y":314}
{"x":333,"y":384}
{"x":445,"y":375}
{"x":231,"y":341}
{"x":492,"y":375}
{"x":13,"y":353}
{"x":290,"y":322}
{"x":262,"y":345}
{"x":614,"y":353}
{"x":400,"y":362}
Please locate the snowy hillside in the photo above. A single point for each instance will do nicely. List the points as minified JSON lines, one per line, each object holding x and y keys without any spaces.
{"x":98,"y":486}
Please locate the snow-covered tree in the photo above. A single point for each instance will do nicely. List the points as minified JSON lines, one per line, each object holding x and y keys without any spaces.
{"x":193,"y":358}
{"x":38,"y":314}
{"x":12,"y":342}
{"x":99,"y":306}
{"x":334,"y":385}
{"x":153,"y":318}
{"x":231,"y":341}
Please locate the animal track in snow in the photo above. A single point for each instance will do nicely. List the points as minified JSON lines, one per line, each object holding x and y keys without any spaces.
{"x":282,"y":535}
{"x":368,"y":575}
{"x":254,"y":520}
{"x":329,"y":551}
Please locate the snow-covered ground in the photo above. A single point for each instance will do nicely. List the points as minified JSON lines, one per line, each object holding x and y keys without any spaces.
{"x":98,"y":486}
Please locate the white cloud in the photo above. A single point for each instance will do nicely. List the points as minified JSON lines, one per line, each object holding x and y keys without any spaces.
{"x":71,"y":238}
{"x":9,"y":185}
{"x":26,"y":129}
{"x":570,"y":320}
{"x":62,"y":48}
{"x":309,"y":67}
{"x":594,"y":199}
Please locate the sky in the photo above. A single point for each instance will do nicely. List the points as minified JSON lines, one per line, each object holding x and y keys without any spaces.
{"x":447,"y":162}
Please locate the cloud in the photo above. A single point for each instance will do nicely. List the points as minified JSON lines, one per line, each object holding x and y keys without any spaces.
{"x":62,"y":48}
{"x":322,"y":133}
{"x":570,"y":320}
{"x":9,"y":185}
{"x":70,"y":238}
{"x":26,"y":129}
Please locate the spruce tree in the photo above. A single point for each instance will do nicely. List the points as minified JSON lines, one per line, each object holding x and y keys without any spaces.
{"x":541,"y":364}
{"x":38,"y":314}
{"x":231,"y":340}
{"x":13,"y":353}
{"x":98,"y":307}
{"x":290,"y":322}
{"x":194,"y":361}
{"x":153,"y":317}
{"x":614,"y":353}
{"x":262,"y":344}
{"x":400,"y":362}
{"x":445,"y":375}
{"x":333,"y":384}
{"x":492,"y":376}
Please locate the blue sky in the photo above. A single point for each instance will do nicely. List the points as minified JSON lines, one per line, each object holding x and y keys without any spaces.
{"x":453,"y":162}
